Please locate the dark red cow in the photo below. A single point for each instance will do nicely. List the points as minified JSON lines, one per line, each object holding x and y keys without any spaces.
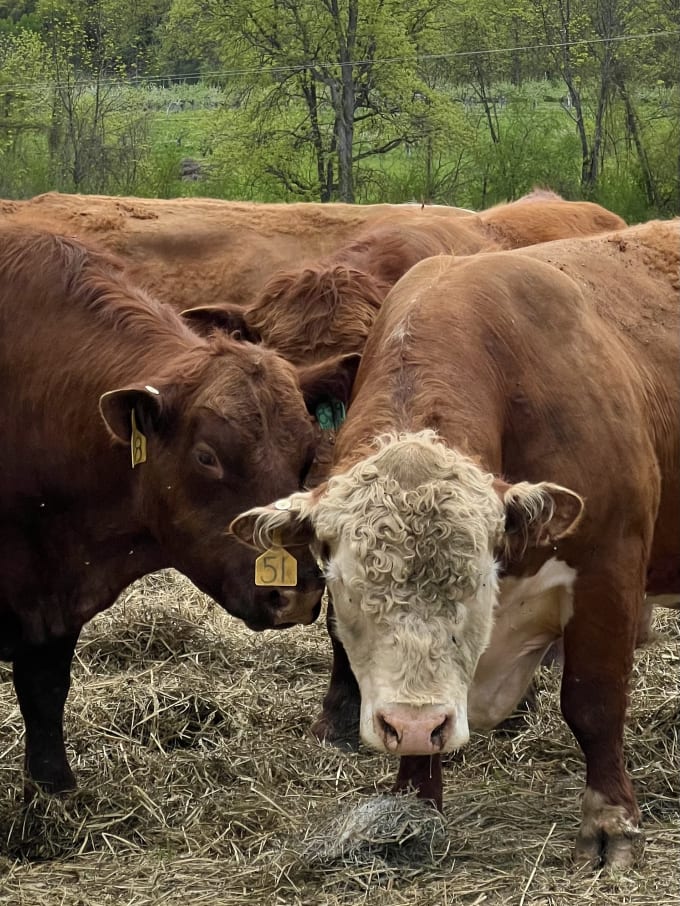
{"x":95,"y":373}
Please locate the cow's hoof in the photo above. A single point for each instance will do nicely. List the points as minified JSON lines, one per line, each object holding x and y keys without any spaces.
{"x":607,"y":837}
{"x":612,"y":852}
{"x":338,"y":732}
{"x":59,"y":785}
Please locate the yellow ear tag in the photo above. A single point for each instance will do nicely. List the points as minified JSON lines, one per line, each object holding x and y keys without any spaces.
{"x":276,"y":566}
{"x":137,"y":443}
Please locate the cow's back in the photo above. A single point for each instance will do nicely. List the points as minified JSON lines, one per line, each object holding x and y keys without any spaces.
{"x":201,"y":250}
{"x":633,"y":281}
{"x":529,"y":222}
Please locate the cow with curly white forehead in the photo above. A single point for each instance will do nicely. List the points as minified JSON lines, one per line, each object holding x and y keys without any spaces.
{"x":544,"y":507}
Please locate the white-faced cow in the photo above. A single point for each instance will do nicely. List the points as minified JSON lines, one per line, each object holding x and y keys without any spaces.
{"x":513,"y":434}
{"x":210,"y":426}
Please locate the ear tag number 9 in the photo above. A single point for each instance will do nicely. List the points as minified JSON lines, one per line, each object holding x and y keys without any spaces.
{"x":276,"y":566}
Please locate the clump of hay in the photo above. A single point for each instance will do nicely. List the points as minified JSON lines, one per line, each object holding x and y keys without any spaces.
{"x":394,"y":827}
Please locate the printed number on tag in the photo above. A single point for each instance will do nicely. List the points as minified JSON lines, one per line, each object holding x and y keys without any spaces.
{"x":276,"y":567}
{"x":137,"y":443}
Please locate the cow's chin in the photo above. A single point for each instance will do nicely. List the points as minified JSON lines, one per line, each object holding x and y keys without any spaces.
{"x":406,"y":729}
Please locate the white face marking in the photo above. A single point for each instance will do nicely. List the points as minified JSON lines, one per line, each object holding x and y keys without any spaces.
{"x":532,"y":612}
{"x":410,"y":535}
{"x":416,"y":656}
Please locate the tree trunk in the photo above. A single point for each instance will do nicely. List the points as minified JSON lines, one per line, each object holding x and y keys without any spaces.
{"x":309,"y":92}
{"x":593,"y":161}
{"x":345,"y":133}
{"x":634,"y":132}
{"x":344,"y":96}
{"x":489,"y":109}
{"x":577,"y":105}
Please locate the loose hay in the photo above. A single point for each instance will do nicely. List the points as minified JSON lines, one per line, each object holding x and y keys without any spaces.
{"x":199,"y":782}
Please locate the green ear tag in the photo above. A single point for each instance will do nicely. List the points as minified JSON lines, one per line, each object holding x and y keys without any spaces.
{"x":330,"y":415}
{"x":137,"y":443}
{"x":324,"y":416}
{"x":339,"y":412}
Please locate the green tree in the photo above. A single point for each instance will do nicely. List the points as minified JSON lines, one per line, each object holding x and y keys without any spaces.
{"x":321,"y":71}
{"x":94,"y":128}
{"x":23,"y":108}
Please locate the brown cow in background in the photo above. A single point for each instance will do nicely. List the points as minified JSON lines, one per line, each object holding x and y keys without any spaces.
{"x":127,"y":444}
{"x":190,"y":251}
{"x":318,"y":309}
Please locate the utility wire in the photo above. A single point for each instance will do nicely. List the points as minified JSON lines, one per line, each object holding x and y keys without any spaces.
{"x":299,"y":67}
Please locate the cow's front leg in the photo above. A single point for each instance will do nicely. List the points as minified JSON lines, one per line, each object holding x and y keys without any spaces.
{"x":599,"y":642}
{"x":338,"y":722}
{"x":423,"y":774}
{"x":42,"y":676}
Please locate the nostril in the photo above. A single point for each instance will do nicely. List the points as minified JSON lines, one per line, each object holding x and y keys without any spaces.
{"x":438,"y":735}
{"x":391,"y":735}
{"x":275,"y":599}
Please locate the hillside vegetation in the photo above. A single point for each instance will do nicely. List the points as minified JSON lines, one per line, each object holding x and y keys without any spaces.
{"x":353,"y":100}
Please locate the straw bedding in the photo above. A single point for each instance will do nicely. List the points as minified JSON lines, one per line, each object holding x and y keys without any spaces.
{"x":199,"y":783}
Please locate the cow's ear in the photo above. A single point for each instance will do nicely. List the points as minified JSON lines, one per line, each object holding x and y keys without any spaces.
{"x":118,"y":406}
{"x":286,"y":523}
{"x":537,"y":515}
{"x":331,"y":379}
{"x":206,"y":319}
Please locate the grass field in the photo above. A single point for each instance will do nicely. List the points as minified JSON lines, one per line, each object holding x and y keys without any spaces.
{"x":199,"y":783}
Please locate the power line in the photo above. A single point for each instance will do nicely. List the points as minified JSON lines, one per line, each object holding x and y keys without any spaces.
{"x":300,"y":67}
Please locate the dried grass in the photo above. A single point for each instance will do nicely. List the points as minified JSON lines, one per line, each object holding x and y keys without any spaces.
{"x":199,"y":783}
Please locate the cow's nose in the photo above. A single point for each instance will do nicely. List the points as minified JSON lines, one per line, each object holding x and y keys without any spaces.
{"x":408,"y":730}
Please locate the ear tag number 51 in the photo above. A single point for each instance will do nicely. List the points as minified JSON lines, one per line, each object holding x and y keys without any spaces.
{"x":276,"y":567}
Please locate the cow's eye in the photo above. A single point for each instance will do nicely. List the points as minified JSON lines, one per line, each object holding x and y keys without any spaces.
{"x":454,"y":640}
{"x":206,"y":458}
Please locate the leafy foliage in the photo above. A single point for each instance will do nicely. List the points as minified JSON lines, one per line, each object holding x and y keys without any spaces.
{"x":368,"y":100}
